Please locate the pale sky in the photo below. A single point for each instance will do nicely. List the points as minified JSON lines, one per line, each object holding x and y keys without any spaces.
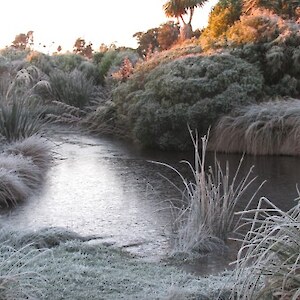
{"x":97,"y":21}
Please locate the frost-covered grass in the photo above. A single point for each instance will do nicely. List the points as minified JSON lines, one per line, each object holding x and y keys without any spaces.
{"x":17,"y":279}
{"x":23,"y":167}
{"x":269,"y":259}
{"x":17,"y":121}
{"x":36,"y":148}
{"x":75,"y":269}
{"x":268,"y":128}
{"x":205,"y":216}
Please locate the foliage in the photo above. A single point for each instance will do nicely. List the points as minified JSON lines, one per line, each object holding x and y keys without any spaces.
{"x":263,"y":26}
{"x":147,"y":41}
{"x":67,"y":62}
{"x":80,"y":47}
{"x":268,"y":260}
{"x":260,"y":27}
{"x":272,"y":44}
{"x":157,"y":39}
{"x":179,"y":8}
{"x":14,"y":54}
{"x":16,"y":283}
{"x":97,"y":57}
{"x":221,"y":18}
{"x":23,"y":41}
{"x":72,"y":88}
{"x":157,"y":105}
{"x":268,"y":128}
{"x":285,"y":8}
{"x":104,"y":120}
{"x":42,"y":61}
{"x":125,"y":70}
{"x":89,"y":69}
{"x":105,"y":64}
{"x":61,"y":113}
{"x":167,"y":35}
{"x":35,"y":148}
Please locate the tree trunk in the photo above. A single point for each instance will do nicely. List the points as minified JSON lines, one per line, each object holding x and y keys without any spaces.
{"x":186,"y":32}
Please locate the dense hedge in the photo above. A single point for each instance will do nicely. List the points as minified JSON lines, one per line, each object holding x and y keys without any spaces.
{"x":196,"y":90}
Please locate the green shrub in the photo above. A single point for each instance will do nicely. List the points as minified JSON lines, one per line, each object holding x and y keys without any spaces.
{"x":193,"y":89}
{"x":14,"y":54}
{"x":89,"y":69}
{"x":106,"y":63}
{"x":67,"y":62}
{"x":72,"y":88}
{"x":42,"y":61}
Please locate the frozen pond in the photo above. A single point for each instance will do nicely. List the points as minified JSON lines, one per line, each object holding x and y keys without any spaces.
{"x":108,"y":188}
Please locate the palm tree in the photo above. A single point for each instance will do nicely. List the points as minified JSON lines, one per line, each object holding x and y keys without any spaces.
{"x":179,"y":8}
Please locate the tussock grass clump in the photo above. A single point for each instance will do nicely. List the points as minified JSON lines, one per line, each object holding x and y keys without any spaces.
{"x":268,"y":263}
{"x":67,"y":62}
{"x":18,"y":122}
{"x":36,"y":148}
{"x":72,"y":88}
{"x":205,"y":217}
{"x":268,"y":128}
{"x":23,"y":167}
{"x":12,"y":189}
{"x":104,"y":120}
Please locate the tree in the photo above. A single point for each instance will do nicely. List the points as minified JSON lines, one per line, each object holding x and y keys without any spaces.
{"x":81,"y":48}
{"x":23,"y":41}
{"x":167,"y":35}
{"x":147,"y":41}
{"x":281,"y":7}
{"x":179,"y":8}
{"x":223,"y":16}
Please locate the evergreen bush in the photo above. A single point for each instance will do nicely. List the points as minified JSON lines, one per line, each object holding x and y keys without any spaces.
{"x":193,"y":90}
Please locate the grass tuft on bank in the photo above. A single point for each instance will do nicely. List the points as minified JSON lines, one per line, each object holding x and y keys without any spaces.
{"x":268,"y":128}
{"x":269,"y":259}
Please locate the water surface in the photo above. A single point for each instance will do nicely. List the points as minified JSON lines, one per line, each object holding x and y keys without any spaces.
{"x":108,"y":188}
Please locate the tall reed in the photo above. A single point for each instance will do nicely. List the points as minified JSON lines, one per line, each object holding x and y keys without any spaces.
{"x":205,"y":217}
